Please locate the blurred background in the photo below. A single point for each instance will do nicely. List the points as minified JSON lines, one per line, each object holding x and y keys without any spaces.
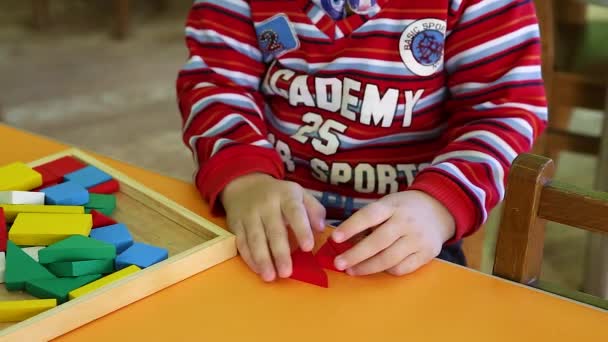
{"x":100,"y":75}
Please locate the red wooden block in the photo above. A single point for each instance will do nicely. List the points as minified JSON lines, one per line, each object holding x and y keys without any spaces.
{"x":3,"y":231}
{"x":101,"y":220}
{"x":329,"y":251}
{"x":306,"y":269}
{"x":48,"y":177}
{"x":62,"y":166}
{"x":109,"y":187}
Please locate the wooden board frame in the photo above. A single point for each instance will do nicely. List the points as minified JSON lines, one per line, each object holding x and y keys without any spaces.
{"x":220,"y":246}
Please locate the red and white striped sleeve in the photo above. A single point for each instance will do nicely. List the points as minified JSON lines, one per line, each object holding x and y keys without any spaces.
{"x":496,"y":110}
{"x":219,"y":98}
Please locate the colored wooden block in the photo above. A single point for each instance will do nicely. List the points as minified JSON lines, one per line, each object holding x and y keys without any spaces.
{"x":32,"y":251}
{"x":101,"y":220}
{"x":125,"y":272}
{"x":88,"y":176}
{"x":2,"y":266}
{"x":109,"y":187}
{"x":58,"y":288}
{"x":20,"y":310}
{"x":102,"y":203}
{"x":68,"y":193}
{"x":46,"y":229}
{"x":305,"y":268}
{"x":19,"y":177}
{"x":21,"y":268}
{"x":329,"y":251}
{"x":116,"y":234}
{"x":3,"y":231}
{"x":48,"y":178}
{"x":21,"y":197}
{"x":141,"y":255}
{"x":77,"y":248}
{"x":11,"y":211}
{"x":80,"y":268}
{"x":62,"y":166}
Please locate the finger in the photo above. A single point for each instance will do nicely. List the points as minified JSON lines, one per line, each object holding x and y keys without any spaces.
{"x":388,"y":258}
{"x":276,"y":233}
{"x":316,"y":212}
{"x":243,"y":247}
{"x":409,"y":264}
{"x":296,"y":217}
{"x":367,"y":217}
{"x":258,"y":245}
{"x":375,"y":243}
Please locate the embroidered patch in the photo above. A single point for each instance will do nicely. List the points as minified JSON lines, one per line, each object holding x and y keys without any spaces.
{"x":422,"y":46}
{"x":276,"y":36}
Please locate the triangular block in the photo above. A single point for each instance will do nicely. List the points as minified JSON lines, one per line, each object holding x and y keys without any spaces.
{"x":57,"y":288}
{"x":21,"y":268}
{"x":109,"y":187}
{"x":88,"y":177}
{"x":61,"y":166}
{"x":3,"y":231}
{"x":141,"y":255}
{"x":329,"y":251}
{"x":116,"y":234}
{"x":101,"y":220}
{"x":80,"y":268}
{"x":77,"y":248}
{"x":306,"y":269}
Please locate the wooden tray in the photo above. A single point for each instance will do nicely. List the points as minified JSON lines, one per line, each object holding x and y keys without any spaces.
{"x":194,"y":245}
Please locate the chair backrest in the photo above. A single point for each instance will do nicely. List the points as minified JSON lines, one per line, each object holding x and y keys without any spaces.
{"x":532,"y":198}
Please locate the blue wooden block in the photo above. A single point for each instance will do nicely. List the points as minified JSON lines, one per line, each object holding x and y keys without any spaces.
{"x":116,"y":234}
{"x":88,"y":176}
{"x":142,"y":255}
{"x":68,"y":193}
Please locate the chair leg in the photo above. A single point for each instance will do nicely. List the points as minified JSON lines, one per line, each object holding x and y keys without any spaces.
{"x":121,"y":19}
{"x":41,"y":14}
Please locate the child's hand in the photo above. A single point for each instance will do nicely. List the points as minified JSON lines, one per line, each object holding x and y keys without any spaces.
{"x":411,"y":230}
{"x":259,"y":208}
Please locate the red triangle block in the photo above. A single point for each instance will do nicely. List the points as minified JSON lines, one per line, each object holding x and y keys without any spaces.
{"x":3,"y":231}
{"x":329,"y":251}
{"x":306,"y":269}
{"x":101,"y":220}
{"x":109,"y":187}
{"x":63,"y":166}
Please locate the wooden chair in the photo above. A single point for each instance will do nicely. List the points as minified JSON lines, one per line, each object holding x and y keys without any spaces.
{"x":120,"y":26}
{"x":562,"y":24}
{"x":532,"y":198}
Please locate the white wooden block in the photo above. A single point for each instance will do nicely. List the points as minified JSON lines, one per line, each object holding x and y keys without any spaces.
{"x":2,"y":267}
{"x":33,"y":251}
{"x":21,"y":197}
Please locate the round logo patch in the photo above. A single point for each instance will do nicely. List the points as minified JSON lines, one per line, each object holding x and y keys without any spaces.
{"x":422,"y":46}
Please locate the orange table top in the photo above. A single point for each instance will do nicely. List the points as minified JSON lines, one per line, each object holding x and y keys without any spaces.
{"x":227,"y":302}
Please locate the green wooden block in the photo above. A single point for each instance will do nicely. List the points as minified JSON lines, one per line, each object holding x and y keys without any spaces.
{"x":80,"y":268}
{"x":105,"y":211}
{"x":21,"y":268}
{"x":76,"y":248}
{"x":103,"y":203}
{"x":59,"y":287}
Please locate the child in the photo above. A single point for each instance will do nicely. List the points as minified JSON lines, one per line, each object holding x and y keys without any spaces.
{"x":397,"y":118}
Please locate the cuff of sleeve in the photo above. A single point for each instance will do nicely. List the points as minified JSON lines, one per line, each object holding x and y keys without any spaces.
{"x":232,"y":163}
{"x":451,"y":194}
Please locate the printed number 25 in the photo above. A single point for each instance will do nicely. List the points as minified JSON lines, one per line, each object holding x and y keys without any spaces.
{"x":327,"y":141}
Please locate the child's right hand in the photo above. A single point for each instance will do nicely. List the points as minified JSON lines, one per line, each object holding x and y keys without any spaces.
{"x":259,"y":209}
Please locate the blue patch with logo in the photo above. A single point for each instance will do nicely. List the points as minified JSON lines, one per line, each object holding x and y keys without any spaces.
{"x":276,"y":37}
{"x":427,"y":47}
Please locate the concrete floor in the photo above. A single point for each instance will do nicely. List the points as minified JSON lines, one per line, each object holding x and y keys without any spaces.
{"x":74,"y":84}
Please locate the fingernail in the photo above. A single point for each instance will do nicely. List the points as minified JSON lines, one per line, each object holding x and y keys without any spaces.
{"x":322,"y":225}
{"x":350,"y":272}
{"x":338,"y":236}
{"x":340,"y":264}
{"x":268,"y":276}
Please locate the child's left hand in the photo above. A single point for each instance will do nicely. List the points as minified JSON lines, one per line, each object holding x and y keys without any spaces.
{"x":411,"y":230}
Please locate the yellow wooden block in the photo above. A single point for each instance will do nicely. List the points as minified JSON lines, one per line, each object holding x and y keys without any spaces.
{"x":19,"y":177}
{"x":20,"y":310}
{"x":103,"y":281}
{"x":11,"y":210}
{"x":45,"y":229}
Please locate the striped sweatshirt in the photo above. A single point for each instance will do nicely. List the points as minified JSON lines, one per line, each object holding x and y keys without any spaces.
{"x":437,"y":96}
